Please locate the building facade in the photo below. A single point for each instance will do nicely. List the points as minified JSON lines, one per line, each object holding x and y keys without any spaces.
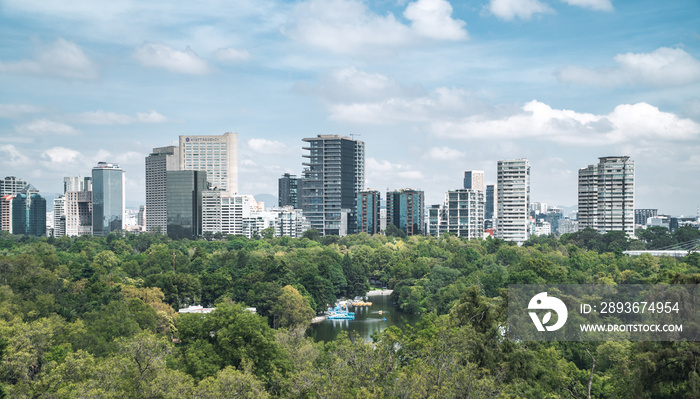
{"x":216,"y":154}
{"x":59,"y":216}
{"x":287,"y":190}
{"x":368,"y":212}
{"x":334,"y":173}
{"x":474,"y":180}
{"x":513,"y":200}
{"x":160,"y":161}
{"x":107,"y":199}
{"x":606,"y":195}
{"x":11,"y":185}
{"x":184,"y":202}
{"x":641,"y":215}
{"x":489,"y":206}
{"x":78,"y":213}
{"x":28,"y":212}
{"x":463,"y":213}
{"x":405,"y":209}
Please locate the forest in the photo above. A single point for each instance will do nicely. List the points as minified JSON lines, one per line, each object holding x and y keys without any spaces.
{"x":96,"y":317}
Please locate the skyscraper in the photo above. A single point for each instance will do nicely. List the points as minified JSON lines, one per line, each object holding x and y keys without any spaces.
{"x":287,"y":191}
{"x":160,"y":161}
{"x":405,"y":209}
{"x":489,"y":207}
{"x":474,"y":180}
{"x":184,"y":202}
{"x":11,"y":185}
{"x":606,"y":195}
{"x":513,"y":200}
{"x":368,"y":208}
{"x":107,"y":199}
{"x":334,"y":174}
{"x":29,"y":212}
{"x":217,"y":154}
{"x":59,"y":216}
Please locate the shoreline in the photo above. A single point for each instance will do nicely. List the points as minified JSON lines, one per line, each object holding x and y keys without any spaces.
{"x":379,"y":292}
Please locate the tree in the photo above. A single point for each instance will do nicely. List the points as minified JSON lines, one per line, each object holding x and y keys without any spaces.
{"x":393,"y":231}
{"x":292,"y":310}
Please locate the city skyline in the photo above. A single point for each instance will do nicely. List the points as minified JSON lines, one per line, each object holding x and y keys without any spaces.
{"x":433,"y":89}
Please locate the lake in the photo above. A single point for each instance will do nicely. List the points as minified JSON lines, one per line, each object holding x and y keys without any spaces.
{"x":367,"y":320}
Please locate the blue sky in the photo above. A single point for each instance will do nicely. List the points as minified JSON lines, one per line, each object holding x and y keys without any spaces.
{"x":433,"y":87}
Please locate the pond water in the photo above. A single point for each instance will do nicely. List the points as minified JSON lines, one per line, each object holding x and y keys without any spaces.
{"x":367,"y":320}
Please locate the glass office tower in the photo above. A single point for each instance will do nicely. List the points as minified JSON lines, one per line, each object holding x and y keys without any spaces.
{"x":107,"y":199}
{"x":184,"y":202}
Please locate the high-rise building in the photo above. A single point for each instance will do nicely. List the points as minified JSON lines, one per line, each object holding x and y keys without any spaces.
{"x":11,"y":185}
{"x":490,"y":205}
{"x":160,"y":161}
{"x":141,"y":217}
{"x":6,"y":212}
{"x":368,"y":212}
{"x":513,"y":200}
{"x":184,"y":190}
{"x":287,"y":191}
{"x":334,"y":174}
{"x":405,"y":209}
{"x":59,"y":216}
{"x":29,"y":212}
{"x":79,"y":213}
{"x":474,"y":179}
{"x":217,"y":154}
{"x":463,"y":213}
{"x":107,"y":199}
{"x":606,"y":195}
{"x":641,"y":215}
{"x":77,"y":183}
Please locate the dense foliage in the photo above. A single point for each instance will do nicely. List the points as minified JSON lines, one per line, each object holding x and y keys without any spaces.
{"x":96,"y":317}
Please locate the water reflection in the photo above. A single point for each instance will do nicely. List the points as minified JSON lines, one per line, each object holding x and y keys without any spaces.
{"x":368,"y":320}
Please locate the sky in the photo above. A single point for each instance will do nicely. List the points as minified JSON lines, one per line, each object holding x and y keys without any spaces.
{"x":432,"y":87}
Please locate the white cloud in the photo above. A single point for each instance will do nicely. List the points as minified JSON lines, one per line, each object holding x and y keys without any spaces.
{"x":433,"y":19}
{"x":61,"y":155}
{"x":268,"y":147}
{"x":537,"y":120}
{"x":59,"y":59}
{"x":100,"y":117}
{"x":159,"y":55}
{"x":231,"y":55}
{"x":597,"y":5}
{"x":523,"y":9}
{"x":442,"y":102}
{"x":662,"y":67}
{"x":348,"y":26}
{"x":390,"y":174}
{"x":12,"y":155}
{"x":444,"y":154}
{"x":150,"y":117}
{"x":17,"y":110}
{"x":353,"y":85}
{"x":45,"y":126}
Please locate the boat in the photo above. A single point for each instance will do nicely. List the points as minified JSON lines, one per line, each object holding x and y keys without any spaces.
{"x":340,"y":313}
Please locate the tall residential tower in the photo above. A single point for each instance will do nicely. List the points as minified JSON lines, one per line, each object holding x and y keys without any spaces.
{"x":606,"y":195}
{"x":334,"y":173}
{"x":513,"y":200}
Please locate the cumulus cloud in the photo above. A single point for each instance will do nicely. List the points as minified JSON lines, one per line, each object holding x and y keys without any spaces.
{"x":61,"y":58}
{"x":396,"y":175}
{"x":268,"y":147}
{"x":353,"y":85}
{"x":348,"y":26}
{"x":61,"y":155}
{"x":433,"y":19}
{"x":231,"y":55}
{"x":17,"y":110}
{"x":159,"y":55}
{"x":536,"y":120}
{"x":662,"y":67}
{"x":45,"y":126}
{"x":12,"y":156}
{"x":509,"y":10}
{"x":597,"y":5}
